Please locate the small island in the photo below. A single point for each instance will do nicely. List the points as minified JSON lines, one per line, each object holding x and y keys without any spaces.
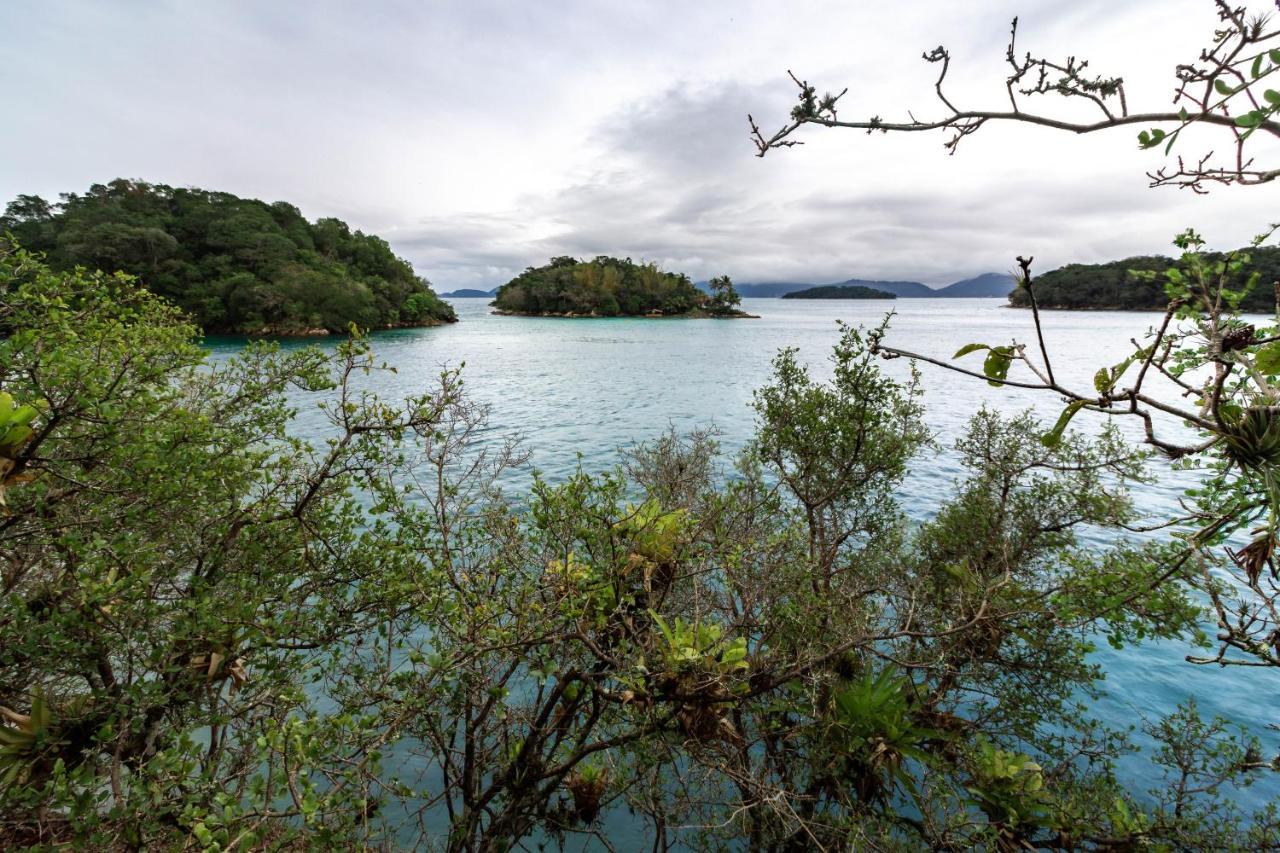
{"x":613,"y":287}
{"x":237,"y":266}
{"x":469,"y":293}
{"x":839,"y":291}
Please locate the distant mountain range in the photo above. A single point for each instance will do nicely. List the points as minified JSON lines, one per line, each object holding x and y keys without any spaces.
{"x":991,"y":284}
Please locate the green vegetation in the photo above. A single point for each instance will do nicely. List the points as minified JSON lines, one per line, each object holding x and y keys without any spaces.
{"x":237,"y":266}
{"x":221,"y":636}
{"x":1140,"y":284}
{"x":839,"y":291}
{"x":1227,"y":368}
{"x":609,"y":287}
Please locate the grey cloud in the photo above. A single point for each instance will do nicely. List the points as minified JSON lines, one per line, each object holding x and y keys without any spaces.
{"x":485,"y":137}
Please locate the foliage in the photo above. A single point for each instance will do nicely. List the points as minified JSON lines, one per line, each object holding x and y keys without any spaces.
{"x":839,"y":291}
{"x":609,"y":287}
{"x":235,"y":265}
{"x":1227,"y":368}
{"x":724,"y":299}
{"x":220,"y":635}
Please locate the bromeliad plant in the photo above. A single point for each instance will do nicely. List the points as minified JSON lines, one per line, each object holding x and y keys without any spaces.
{"x":1009,"y":788}
{"x":16,"y":432}
{"x":877,"y":734}
{"x":701,"y":647}
{"x":25,"y":740}
{"x":220,"y":635}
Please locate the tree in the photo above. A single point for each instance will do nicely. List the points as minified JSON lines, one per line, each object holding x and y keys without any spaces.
{"x":219,"y":634}
{"x":1229,"y":88}
{"x":236,"y":265}
{"x":1224,"y":367}
{"x":608,"y":287}
{"x":724,"y":299}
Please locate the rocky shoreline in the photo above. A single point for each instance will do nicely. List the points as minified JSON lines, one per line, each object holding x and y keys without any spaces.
{"x":319,"y":332}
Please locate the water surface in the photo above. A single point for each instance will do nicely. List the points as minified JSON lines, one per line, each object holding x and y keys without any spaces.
{"x":579,"y":389}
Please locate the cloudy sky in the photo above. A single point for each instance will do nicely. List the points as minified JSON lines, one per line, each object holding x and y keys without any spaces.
{"x":484,"y":136}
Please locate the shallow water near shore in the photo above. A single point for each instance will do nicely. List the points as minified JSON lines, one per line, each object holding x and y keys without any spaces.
{"x":577,"y":390}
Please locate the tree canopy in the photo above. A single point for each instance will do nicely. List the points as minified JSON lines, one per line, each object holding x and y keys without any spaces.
{"x":220,"y":635}
{"x":236,"y":265}
{"x":611,"y":287}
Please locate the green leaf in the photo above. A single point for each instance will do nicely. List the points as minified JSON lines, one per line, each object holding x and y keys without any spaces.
{"x":968,"y":348}
{"x":1222,"y":88}
{"x":1272,"y":97}
{"x":1253,"y":118}
{"x":24,"y":415}
{"x":996,"y":367}
{"x":1274,"y":55}
{"x":1256,"y":70}
{"x":1267,"y":359}
{"x":13,"y":438}
{"x":1105,"y":379}
{"x":1053,"y":437}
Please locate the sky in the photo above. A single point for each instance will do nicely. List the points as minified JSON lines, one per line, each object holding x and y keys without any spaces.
{"x":481,"y":137}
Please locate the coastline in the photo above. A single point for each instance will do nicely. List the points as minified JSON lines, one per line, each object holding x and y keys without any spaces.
{"x":570,"y":315}
{"x":320,"y":332}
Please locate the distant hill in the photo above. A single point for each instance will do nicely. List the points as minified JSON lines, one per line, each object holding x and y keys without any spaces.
{"x":236,"y":265}
{"x":839,"y":291}
{"x":987,"y":284}
{"x":1112,"y":285}
{"x":468,"y":293}
{"x":907,"y":289}
{"x":761,"y":289}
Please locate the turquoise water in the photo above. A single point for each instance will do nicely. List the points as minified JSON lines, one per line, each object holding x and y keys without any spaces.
{"x":579,"y":389}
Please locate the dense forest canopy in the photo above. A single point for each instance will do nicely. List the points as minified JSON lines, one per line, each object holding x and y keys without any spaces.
{"x":611,"y":287}
{"x":235,"y":265}
{"x":840,"y":291}
{"x":1121,"y":284}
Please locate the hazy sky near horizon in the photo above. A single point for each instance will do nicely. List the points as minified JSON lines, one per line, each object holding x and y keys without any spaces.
{"x":483,"y":137}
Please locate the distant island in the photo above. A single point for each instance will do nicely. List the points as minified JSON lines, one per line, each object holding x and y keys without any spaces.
{"x":237,"y":266}
{"x":612,"y":287}
{"x":839,"y":291}
{"x":991,"y":284}
{"x":1113,"y":285}
{"x":469,"y":293}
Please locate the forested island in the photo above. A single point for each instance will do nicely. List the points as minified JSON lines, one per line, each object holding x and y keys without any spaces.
{"x":613,"y":287}
{"x":1138,"y":284}
{"x":470,"y":293}
{"x":237,"y":266}
{"x":839,"y":291}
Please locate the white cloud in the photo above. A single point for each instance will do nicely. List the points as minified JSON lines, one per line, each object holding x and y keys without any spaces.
{"x":481,"y":138}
